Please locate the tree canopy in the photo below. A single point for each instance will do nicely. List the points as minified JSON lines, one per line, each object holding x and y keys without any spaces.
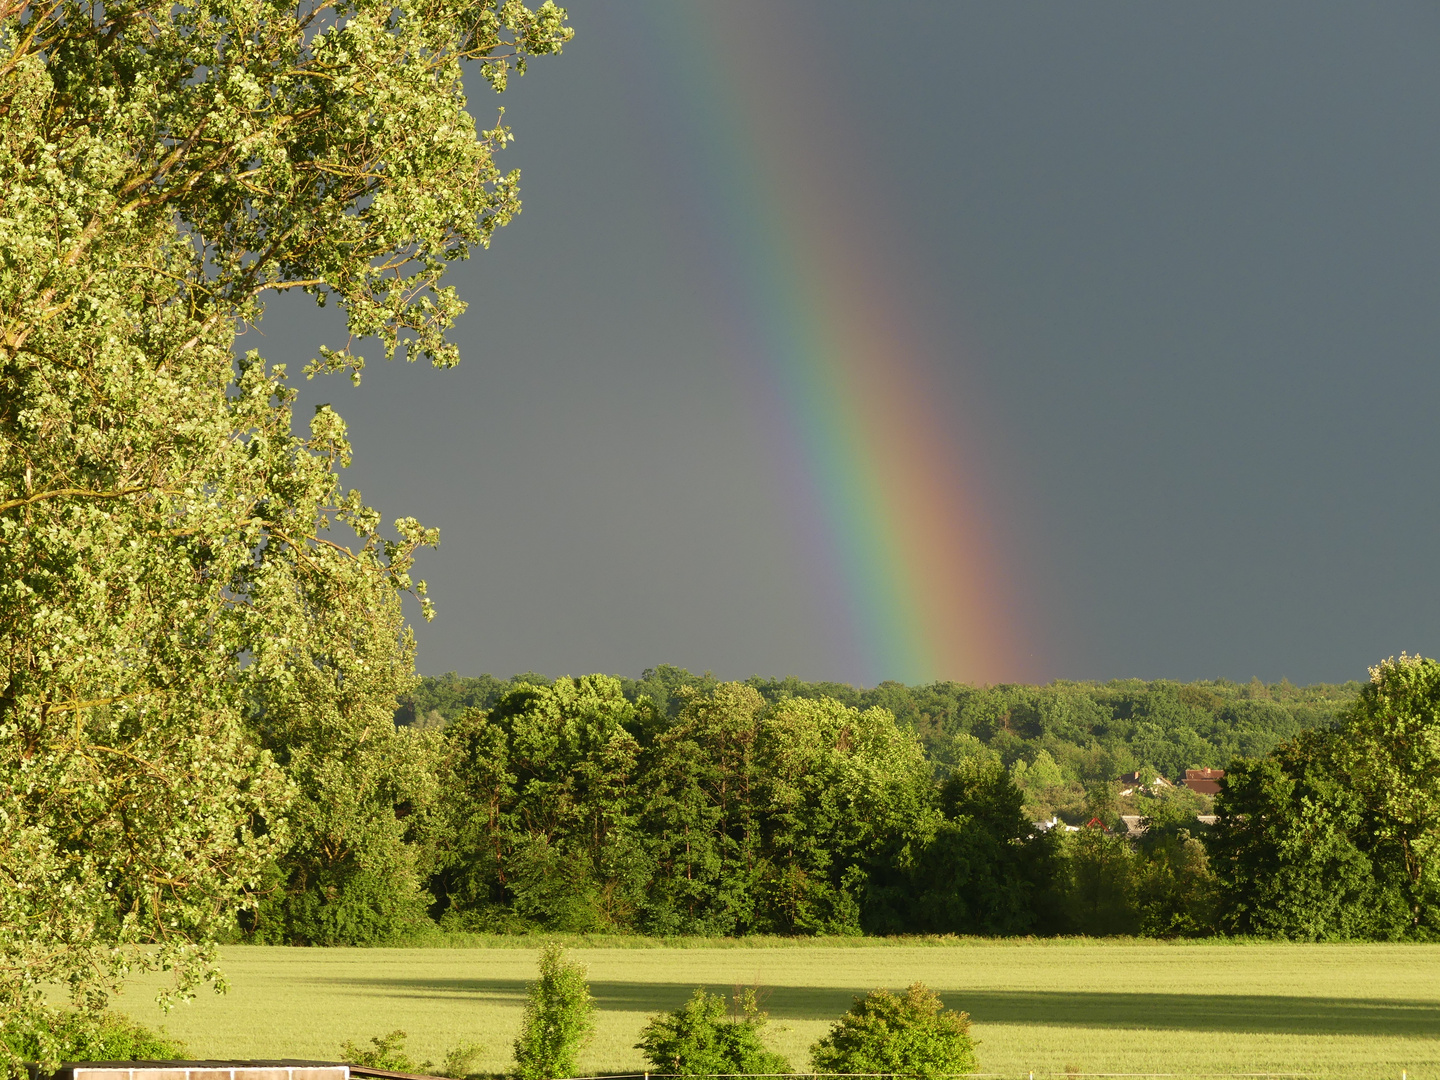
{"x":170,"y":593}
{"x":1337,"y":833}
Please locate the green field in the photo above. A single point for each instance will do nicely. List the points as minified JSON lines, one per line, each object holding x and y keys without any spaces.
{"x":1094,"y":1007}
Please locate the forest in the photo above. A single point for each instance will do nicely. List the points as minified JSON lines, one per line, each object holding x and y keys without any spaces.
{"x":676,"y":804}
{"x":1058,"y":739}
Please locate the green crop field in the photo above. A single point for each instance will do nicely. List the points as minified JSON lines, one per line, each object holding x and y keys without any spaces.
{"x":1092,"y":1007}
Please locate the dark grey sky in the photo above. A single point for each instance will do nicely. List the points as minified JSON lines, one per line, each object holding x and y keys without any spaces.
{"x":1193,"y":255}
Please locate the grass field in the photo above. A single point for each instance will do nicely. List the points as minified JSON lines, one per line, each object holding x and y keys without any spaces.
{"x":1047,"y":1006}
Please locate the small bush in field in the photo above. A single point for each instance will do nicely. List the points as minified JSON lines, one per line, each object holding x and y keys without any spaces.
{"x":462,"y":1060}
{"x":911,"y":1034}
{"x":384,"y":1052}
{"x":701,"y":1039}
{"x":559,"y":1019}
{"x":388,"y":1052}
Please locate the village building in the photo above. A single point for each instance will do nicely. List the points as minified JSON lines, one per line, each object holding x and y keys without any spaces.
{"x":1132,"y":780}
{"x":1204,"y":781}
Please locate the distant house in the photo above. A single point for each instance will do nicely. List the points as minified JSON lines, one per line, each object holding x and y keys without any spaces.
{"x":1054,"y":823}
{"x":1132,"y":780}
{"x":1204,"y":781}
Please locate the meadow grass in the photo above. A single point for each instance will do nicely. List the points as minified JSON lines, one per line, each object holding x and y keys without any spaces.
{"x":1091,"y":1006}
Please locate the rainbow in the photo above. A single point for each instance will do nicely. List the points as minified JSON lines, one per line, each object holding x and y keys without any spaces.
{"x":894,"y":535}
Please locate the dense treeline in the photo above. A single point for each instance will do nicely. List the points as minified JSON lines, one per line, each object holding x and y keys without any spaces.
{"x":580,"y":810}
{"x":1059,"y":741}
{"x":676,"y":804}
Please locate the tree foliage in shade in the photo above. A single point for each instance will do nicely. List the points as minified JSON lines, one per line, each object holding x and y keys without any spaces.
{"x":985,"y":871}
{"x":170,"y":592}
{"x":1289,"y":852}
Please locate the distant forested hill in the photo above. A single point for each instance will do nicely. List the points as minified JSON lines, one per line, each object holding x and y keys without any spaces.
{"x":1071,"y":734}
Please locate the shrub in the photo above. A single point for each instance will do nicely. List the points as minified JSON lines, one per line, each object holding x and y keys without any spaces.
{"x":462,"y":1060}
{"x":912,"y":1034}
{"x":700,"y":1039}
{"x":384,"y":1052}
{"x":388,"y":1052}
{"x":70,"y":1035}
{"x":559,"y":1019}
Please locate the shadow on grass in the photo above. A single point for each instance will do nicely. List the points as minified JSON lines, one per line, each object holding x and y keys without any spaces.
{"x":1198,"y":1011}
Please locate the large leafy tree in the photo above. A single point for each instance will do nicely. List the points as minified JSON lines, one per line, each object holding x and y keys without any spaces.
{"x":701,"y":816}
{"x":844,"y":793}
{"x":1291,"y":852}
{"x":165,"y":560}
{"x":1337,"y":834}
{"x":366,"y":806}
{"x":541,"y":829}
{"x":1392,"y":752}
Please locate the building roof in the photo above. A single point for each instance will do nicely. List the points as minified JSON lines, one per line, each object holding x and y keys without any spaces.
{"x":1135,"y":778}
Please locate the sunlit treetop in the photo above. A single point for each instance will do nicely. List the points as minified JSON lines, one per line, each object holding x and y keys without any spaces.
{"x":324,"y":146}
